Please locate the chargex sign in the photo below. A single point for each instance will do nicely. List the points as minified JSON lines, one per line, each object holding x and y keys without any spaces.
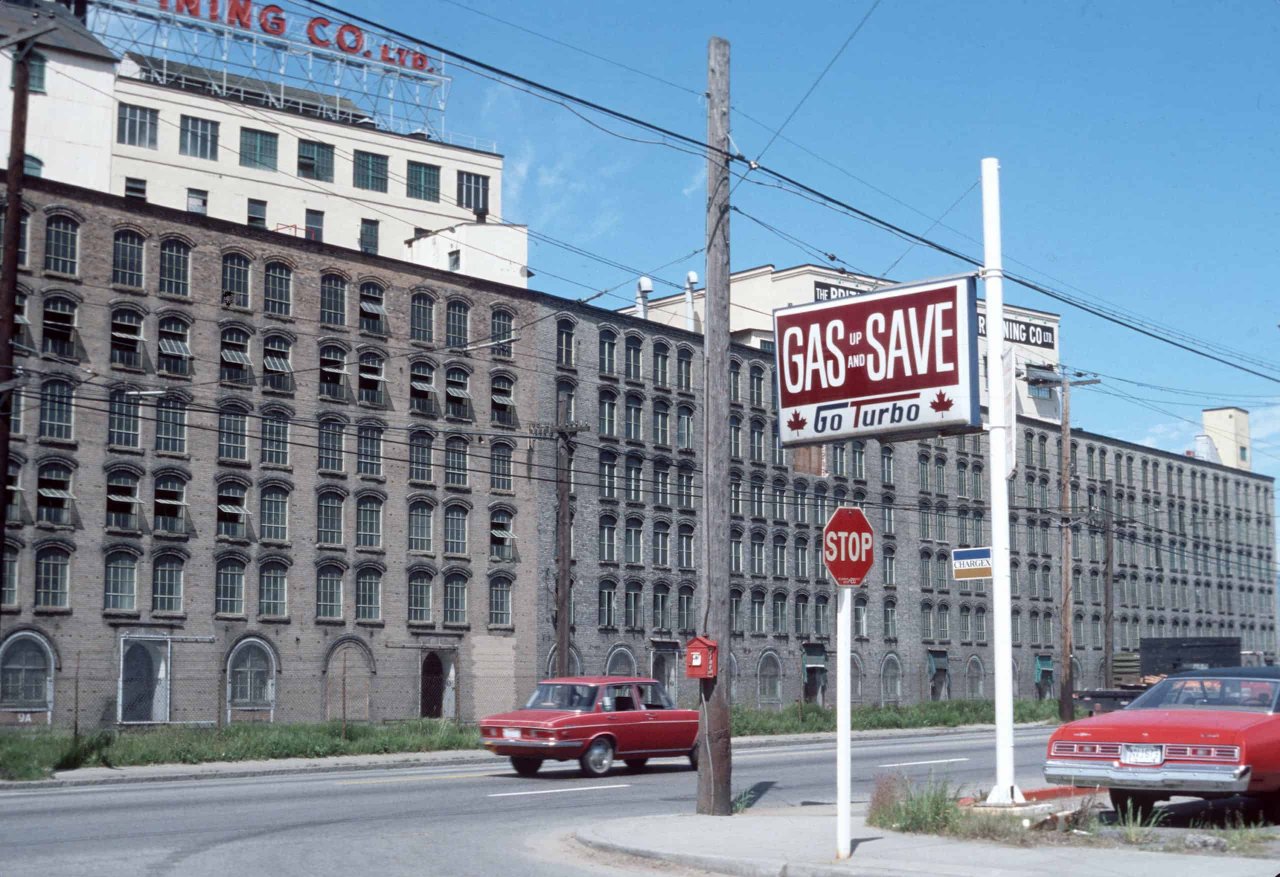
{"x":897,"y":362}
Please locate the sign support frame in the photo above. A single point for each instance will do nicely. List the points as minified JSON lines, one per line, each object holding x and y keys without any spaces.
{"x":1005,"y":792}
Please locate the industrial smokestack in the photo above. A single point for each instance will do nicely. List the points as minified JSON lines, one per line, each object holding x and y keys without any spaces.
{"x":690,"y":281}
{"x":644,"y":286}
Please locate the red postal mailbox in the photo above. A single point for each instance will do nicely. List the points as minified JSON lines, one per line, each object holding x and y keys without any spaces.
{"x":700,"y":658}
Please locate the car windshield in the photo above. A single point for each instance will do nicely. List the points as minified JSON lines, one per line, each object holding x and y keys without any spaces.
{"x":1211,"y":693}
{"x":561,"y":696}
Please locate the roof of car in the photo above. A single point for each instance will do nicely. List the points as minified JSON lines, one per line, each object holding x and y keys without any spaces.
{"x":1230,"y":672}
{"x":600,"y":680}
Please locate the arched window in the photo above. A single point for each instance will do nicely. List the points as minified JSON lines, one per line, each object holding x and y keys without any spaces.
{"x":369,"y":449}
{"x":61,"y":245}
{"x":273,"y":590}
{"x":127,"y":259}
{"x":122,"y":500}
{"x":59,"y":327}
{"x":368,"y":594}
{"x":802,"y":616}
{"x":735,"y":381}
{"x":275,"y":438}
{"x":886,"y":465}
{"x":500,"y":601}
{"x":277,"y":370}
{"x":373,"y":310}
{"x":175,"y":268}
{"x":502,"y":400}
{"x":166,"y":583}
{"x":235,"y":363}
{"x":419,"y":596}
{"x":329,"y":592}
{"x":174,"y":346}
{"x":422,"y":317}
{"x":455,"y":529}
{"x":229,"y":588}
{"x":333,"y":372}
{"x":421,"y":518}
{"x":661,"y":358}
{"x":333,"y":300}
{"x":25,"y":674}
{"x":457,"y":324}
{"x":372,"y":381}
{"x":975,"y":679}
{"x":890,"y":619}
{"x":621,"y":663}
{"x":859,"y":616}
{"x":608,"y":413}
{"x":566,"y":344}
{"x":770,"y":689}
{"x":890,"y":681}
{"x":684,"y":369}
{"x":455,"y":462}
{"x":122,"y":421}
{"x":757,"y":386}
{"x":277,"y":289}
{"x":634,"y":364}
{"x":422,"y":388}
{"x":501,"y":332}
{"x":684,"y":428}
{"x":633,"y":606}
{"x":457,"y":391}
{"x":455,"y":599}
{"x":274,"y":513}
{"x":121,"y":581}
{"x":661,"y":423}
{"x":500,"y":467}
{"x":233,"y":437}
{"x":329,"y":507}
{"x":502,"y":541}
{"x":684,"y":546}
{"x":661,"y":607}
{"x":251,"y":677}
{"x":608,"y":539}
{"x":235,"y":280}
{"x":53,"y":493}
{"x":369,"y":522}
{"x":608,"y":348}
{"x":631,"y":423}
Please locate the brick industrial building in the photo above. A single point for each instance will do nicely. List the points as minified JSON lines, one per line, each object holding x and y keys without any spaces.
{"x":256,"y":477}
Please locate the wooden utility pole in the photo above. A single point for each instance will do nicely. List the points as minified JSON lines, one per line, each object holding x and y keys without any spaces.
{"x":715,"y":758}
{"x":1109,"y":596}
{"x":9,"y":246}
{"x":1066,"y":704}
{"x":564,"y":541}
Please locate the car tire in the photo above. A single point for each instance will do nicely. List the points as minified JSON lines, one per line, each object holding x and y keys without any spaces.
{"x":598,"y":758}
{"x":635,"y":765}
{"x":525,"y":765}
{"x":693,"y":757}
{"x":1140,"y":804}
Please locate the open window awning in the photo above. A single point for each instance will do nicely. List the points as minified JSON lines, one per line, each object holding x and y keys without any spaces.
{"x":500,"y":398}
{"x":54,"y":493}
{"x":372,"y":307}
{"x":457,"y":393}
{"x":228,"y":509}
{"x":239,"y":357}
{"x":502,"y":534}
{"x":423,"y":387}
{"x":277,"y":364}
{"x":174,"y":347}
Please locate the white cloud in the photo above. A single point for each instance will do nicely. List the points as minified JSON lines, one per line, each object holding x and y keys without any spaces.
{"x":697,"y":183}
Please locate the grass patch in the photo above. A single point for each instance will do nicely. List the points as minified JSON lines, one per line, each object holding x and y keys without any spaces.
{"x":26,"y":755}
{"x":898,"y":805}
{"x":797,"y":719}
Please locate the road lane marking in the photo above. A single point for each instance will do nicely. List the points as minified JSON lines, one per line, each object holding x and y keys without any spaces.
{"x":917,"y":763}
{"x":418,"y":778}
{"x":558,"y":791}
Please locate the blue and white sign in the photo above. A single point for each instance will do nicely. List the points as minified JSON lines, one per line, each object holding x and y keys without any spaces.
{"x":971,"y":563}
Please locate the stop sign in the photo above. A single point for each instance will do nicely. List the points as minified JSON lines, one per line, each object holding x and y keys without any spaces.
{"x":848,"y":546}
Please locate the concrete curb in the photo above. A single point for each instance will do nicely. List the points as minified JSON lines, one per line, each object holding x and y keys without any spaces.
{"x":736,"y":867}
{"x":240,"y":770}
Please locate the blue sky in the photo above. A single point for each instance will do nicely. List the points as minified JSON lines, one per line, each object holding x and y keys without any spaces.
{"x":1138,"y":145}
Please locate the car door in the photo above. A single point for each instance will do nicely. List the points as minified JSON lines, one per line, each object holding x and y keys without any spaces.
{"x":668,"y":729}
{"x":622,"y":717}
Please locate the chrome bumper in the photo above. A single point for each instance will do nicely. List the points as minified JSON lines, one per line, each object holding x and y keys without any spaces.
{"x":523,"y":743}
{"x":1171,"y":778}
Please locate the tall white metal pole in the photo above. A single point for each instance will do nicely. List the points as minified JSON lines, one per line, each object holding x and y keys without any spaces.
{"x":844,"y":722}
{"x":1005,"y":790}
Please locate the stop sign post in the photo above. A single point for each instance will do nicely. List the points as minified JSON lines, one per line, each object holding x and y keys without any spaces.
{"x":848,"y":550}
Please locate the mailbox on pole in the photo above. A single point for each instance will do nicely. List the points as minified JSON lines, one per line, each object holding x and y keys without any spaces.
{"x":848,"y":546}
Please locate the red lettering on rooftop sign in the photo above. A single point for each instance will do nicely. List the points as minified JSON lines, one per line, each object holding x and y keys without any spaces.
{"x":320,"y":32}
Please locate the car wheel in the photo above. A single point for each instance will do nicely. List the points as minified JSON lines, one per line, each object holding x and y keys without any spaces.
{"x":693,"y":757}
{"x":526,"y":766}
{"x":1128,"y":804}
{"x":598,"y":758}
{"x":635,"y":765}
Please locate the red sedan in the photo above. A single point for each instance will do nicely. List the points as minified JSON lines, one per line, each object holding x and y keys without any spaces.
{"x":594,"y":719}
{"x":1203,"y":733}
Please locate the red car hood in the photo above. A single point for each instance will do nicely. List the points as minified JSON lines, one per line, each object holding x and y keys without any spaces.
{"x":1164,"y":726}
{"x":530,"y":718}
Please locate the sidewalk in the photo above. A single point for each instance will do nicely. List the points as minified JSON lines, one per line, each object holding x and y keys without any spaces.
{"x":800,"y":842}
{"x":92,"y":776}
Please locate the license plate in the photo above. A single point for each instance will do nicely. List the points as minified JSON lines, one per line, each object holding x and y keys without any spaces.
{"x":511,"y":733}
{"x":1141,"y":754}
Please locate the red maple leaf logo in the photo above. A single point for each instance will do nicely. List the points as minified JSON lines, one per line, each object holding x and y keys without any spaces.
{"x":797,"y":423}
{"x":941,"y":403}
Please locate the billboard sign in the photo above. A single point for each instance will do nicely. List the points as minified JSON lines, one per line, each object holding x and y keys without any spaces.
{"x":894,"y":363}
{"x":971,"y":563}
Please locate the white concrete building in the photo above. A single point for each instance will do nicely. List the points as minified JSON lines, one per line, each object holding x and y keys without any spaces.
{"x":1228,"y":431}
{"x":756,"y":292}
{"x":71,"y":110}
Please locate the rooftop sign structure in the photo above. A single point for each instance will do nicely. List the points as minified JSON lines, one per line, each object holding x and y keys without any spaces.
{"x":275,"y":52}
{"x":894,"y":363}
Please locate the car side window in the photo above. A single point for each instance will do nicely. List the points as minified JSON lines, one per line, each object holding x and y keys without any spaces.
{"x":620,"y":698}
{"x":654,"y":696}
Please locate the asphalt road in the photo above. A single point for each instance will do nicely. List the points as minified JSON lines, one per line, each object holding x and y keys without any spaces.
{"x":471,"y":820}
